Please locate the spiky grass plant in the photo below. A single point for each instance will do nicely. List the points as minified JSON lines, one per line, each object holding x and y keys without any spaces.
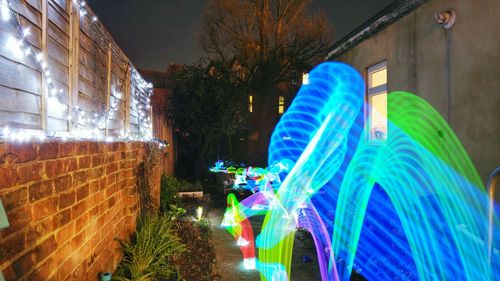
{"x":150,"y":257}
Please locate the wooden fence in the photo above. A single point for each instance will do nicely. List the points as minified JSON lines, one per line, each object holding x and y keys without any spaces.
{"x":61,"y":73}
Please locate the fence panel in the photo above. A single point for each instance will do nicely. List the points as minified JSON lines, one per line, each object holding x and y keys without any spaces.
{"x":61,"y":73}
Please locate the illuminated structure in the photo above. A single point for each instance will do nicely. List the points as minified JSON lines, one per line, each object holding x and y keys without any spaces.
{"x":409,"y":207}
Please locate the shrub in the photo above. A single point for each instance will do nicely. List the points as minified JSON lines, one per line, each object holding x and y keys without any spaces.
{"x":169,"y":192}
{"x":151,"y":255}
{"x":198,"y":262}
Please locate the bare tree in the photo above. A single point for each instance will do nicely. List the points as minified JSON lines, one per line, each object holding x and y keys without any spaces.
{"x":274,"y":40}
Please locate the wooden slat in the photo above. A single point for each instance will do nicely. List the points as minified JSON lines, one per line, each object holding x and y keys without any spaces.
{"x":20,"y":120}
{"x":18,"y":76}
{"x":14,"y":100}
{"x":30,"y":13}
{"x":57,"y":52}
{"x":61,"y":6}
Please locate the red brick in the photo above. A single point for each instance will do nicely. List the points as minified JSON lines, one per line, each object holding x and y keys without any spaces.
{"x":30,"y":172}
{"x":111,"y":179}
{"x":78,"y":209}
{"x":66,"y":200}
{"x":67,"y":149}
{"x":15,"y":199}
{"x":20,"y":152}
{"x":82,"y":192}
{"x":11,"y":247}
{"x":97,"y":160}
{"x":53,"y":168}
{"x":97,"y":173}
{"x":82,"y":222}
{"x":43,"y":272}
{"x":82,"y":148}
{"x":40,"y":190}
{"x":94,"y":213}
{"x":93,"y":187}
{"x":62,"y":253}
{"x":43,"y":208}
{"x":114,"y":146}
{"x":98,"y":197}
{"x":48,"y":150}
{"x":69,"y":165}
{"x":77,"y":241}
{"x":62,"y":218}
{"x":8,"y":176}
{"x":65,"y":233}
{"x":22,"y":265}
{"x":97,"y":147}
{"x":80,"y":271}
{"x":84,"y":162}
{"x":63,"y":183}
{"x":39,"y":230}
{"x":43,"y":250}
{"x":18,"y":219}
{"x":80,"y":177}
{"x":111,"y":168}
{"x":65,"y":270}
{"x":111,"y":202}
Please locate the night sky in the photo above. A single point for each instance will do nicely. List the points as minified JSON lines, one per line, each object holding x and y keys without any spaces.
{"x":154,"y":33}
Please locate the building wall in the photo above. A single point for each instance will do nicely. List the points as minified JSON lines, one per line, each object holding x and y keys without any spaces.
{"x":162,"y":129}
{"x":416,"y":49}
{"x":66,"y":202}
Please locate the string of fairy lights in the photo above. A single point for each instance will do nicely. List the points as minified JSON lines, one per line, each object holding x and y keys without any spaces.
{"x":84,"y":124}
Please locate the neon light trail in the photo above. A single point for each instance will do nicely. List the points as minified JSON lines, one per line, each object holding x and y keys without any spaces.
{"x":410,"y":208}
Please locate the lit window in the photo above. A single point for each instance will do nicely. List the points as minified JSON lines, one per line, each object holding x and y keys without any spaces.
{"x":305,"y":78}
{"x":281,"y":104}
{"x":250,"y":103}
{"x":377,"y":101}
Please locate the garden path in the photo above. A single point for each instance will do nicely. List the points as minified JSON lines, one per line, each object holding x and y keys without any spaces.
{"x":229,"y":258}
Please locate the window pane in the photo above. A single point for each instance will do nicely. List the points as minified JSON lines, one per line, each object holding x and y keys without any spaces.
{"x":378,"y":116}
{"x":281,"y":104}
{"x":378,"y":77}
{"x":305,"y":78}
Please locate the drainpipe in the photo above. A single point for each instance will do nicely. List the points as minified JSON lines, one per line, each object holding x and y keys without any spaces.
{"x":493,"y":181}
{"x":447,"y":19}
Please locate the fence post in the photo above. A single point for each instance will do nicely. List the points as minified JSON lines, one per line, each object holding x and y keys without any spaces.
{"x":108,"y":89}
{"x":74,"y":47}
{"x":128,"y":76}
{"x":44,"y":89}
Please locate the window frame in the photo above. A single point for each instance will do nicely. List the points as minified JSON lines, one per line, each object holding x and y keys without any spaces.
{"x":250,"y":103}
{"x":281,"y":105}
{"x":373,"y":91}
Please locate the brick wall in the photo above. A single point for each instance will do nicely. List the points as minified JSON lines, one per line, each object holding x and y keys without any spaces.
{"x":66,"y":201}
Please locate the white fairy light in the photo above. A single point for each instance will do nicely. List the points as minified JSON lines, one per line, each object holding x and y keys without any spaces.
{"x":14,"y":46}
{"x":5,"y":10}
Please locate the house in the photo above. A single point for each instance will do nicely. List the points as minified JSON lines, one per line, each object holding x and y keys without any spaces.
{"x":445,"y":51}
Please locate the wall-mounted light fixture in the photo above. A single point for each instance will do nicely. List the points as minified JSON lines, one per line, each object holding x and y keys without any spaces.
{"x":446,"y":18}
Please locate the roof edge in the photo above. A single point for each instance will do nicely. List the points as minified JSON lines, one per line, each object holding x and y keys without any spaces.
{"x":381,"y":20}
